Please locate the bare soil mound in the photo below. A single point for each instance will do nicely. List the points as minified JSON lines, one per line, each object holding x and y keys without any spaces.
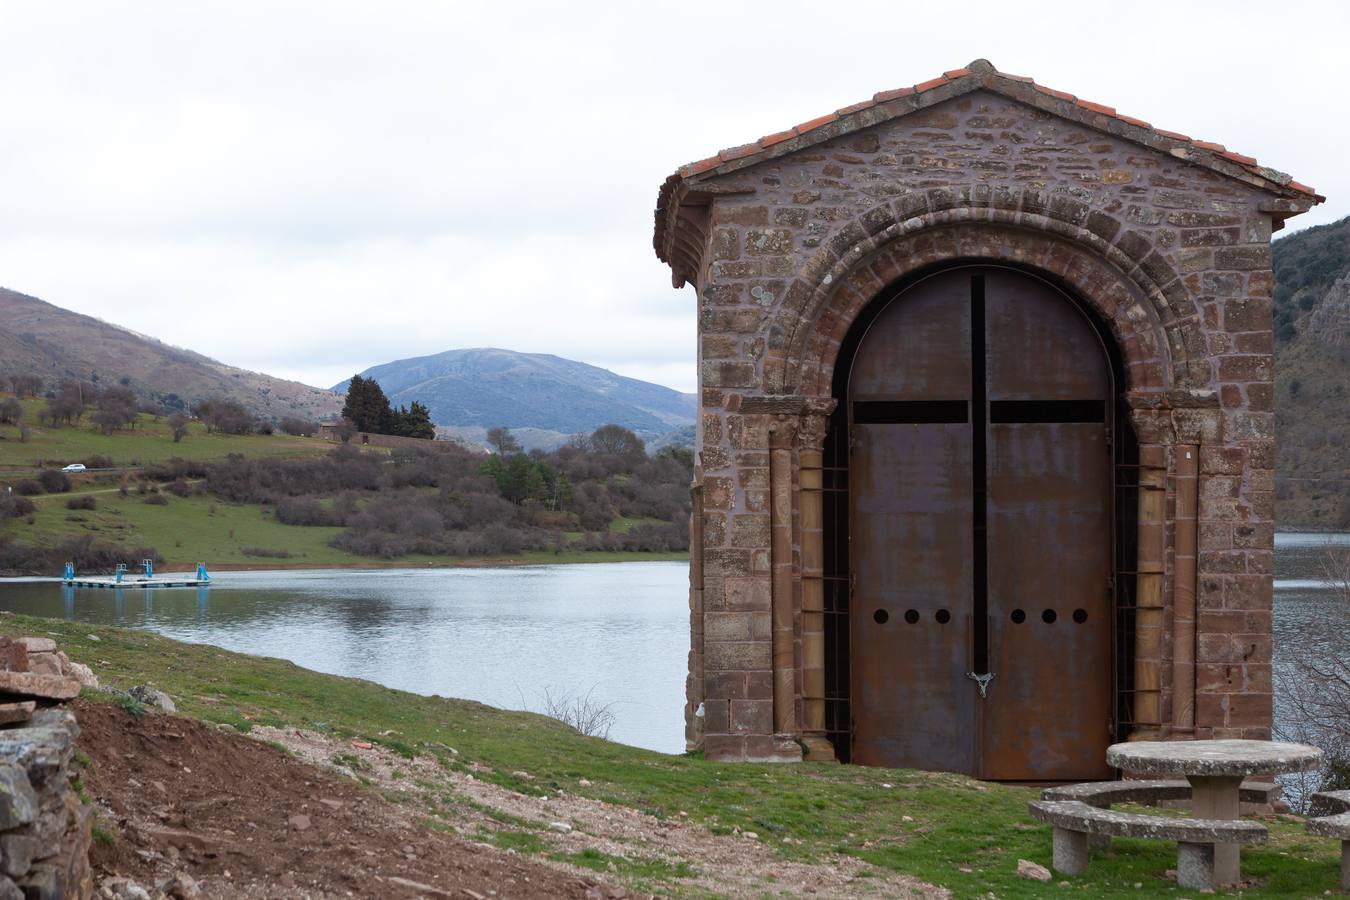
{"x":243,"y":818}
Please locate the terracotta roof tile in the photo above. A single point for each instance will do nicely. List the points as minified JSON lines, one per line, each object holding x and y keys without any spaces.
{"x":1097,"y":107}
{"x":1239,"y":158}
{"x":893,"y":95}
{"x":740,"y":152}
{"x":1131,"y":120}
{"x":1054,"y":93}
{"x":770,"y":139}
{"x":856,"y":107}
{"x":816,"y":123}
{"x":989,"y":77}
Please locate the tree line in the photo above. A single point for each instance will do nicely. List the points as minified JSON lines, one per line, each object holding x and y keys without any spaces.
{"x":369,"y":410}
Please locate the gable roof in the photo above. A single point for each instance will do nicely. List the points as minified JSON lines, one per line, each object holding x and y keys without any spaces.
{"x":978,"y":75}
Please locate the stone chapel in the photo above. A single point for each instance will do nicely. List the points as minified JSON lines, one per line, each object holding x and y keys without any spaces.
{"x":985,"y":451}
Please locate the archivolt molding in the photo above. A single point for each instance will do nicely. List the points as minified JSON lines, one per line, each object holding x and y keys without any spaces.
{"x":1119,"y":271}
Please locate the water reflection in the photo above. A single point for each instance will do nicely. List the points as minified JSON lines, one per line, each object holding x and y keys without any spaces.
{"x":500,"y":636}
{"x":503,"y":636}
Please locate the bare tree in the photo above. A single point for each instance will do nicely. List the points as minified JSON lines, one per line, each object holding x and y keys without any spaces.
{"x":26,"y":385}
{"x":503,"y":440}
{"x":178,"y":423}
{"x":1315,"y":684}
{"x":11,"y":411}
{"x":580,"y":712}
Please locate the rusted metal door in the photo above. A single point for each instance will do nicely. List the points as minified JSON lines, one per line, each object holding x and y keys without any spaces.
{"x":980,"y":495}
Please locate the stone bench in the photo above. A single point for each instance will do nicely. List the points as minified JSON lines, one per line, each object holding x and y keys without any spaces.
{"x":1331,"y":819}
{"x":1105,"y":794}
{"x":1074,"y":820}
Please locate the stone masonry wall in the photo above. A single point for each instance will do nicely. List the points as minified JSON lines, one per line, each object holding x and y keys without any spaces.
{"x":1175,"y":257}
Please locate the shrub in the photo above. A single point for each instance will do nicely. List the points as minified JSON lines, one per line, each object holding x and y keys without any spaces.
{"x":84,"y":502}
{"x":28,"y":488}
{"x":54,"y":481}
{"x":98,"y":462}
{"x":307,"y":511}
{"x":299,"y":427}
{"x":265,"y":552}
{"x":14,"y":506}
{"x":178,"y":488}
{"x":156,"y":500}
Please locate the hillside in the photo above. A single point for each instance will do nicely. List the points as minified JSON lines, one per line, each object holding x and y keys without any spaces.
{"x":1312,"y":377}
{"x":675,"y":826}
{"x":42,"y":339}
{"x":544,"y":399}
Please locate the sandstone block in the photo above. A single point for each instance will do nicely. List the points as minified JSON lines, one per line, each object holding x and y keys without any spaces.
{"x":46,"y":687}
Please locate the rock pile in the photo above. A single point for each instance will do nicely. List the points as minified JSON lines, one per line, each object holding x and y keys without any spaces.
{"x":44,"y":829}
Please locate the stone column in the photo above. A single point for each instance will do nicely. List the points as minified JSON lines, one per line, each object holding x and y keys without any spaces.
{"x":1183,"y":588}
{"x":694,"y":714}
{"x":811,"y":439}
{"x":1151,"y":571}
{"x":781,"y":435}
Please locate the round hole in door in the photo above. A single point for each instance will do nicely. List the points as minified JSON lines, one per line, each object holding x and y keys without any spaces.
{"x":943,"y":617}
{"x":911,"y":616}
{"x":1048,"y":617}
{"x":881,"y":617}
{"x":1080,"y":616}
{"x":1018,"y":617}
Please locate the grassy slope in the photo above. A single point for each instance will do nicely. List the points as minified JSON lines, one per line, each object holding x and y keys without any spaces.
{"x":959,"y":833}
{"x":150,"y":441}
{"x":194,"y":529}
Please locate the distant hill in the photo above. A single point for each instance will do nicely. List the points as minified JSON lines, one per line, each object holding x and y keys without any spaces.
{"x":1312,"y":378}
{"x":542,"y":398}
{"x":39,"y":338}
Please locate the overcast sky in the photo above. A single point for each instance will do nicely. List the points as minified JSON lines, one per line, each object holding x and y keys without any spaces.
{"x":308,"y":189}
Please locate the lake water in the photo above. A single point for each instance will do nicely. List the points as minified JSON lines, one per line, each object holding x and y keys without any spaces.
{"x":506,"y":636}
{"x":503,"y":636}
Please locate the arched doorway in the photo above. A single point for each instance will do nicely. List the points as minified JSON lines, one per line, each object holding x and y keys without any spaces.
{"x":975,"y":444}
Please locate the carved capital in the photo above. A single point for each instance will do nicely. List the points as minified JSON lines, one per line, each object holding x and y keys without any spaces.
{"x":815,"y":423}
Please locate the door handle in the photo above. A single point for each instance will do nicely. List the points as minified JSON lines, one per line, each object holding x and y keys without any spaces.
{"x":982,"y":681}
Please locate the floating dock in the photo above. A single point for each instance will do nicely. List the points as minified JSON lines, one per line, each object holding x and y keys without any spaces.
{"x":148,"y":579}
{"x":159,"y":581}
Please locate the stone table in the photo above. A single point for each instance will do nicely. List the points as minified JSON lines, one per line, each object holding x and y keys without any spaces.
{"x":1215,"y":770}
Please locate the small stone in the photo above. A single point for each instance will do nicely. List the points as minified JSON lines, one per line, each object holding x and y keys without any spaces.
{"x":331,"y":804}
{"x":16,"y":712}
{"x":153,"y":697}
{"x":1036,"y":872}
{"x":906,"y":818}
{"x":182,"y":886}
{"x":81,"y":673}
{"x":300,"y":822}
{"x":44,"y":664}
{"x":425,"y":890}
{"x":560,"y":827}
{"x":46,"y":687}
{"x":38,"y":644}
{"x":584,"y":783}
{"x":93,"y":637}
{"x":752,"y":835}
{"x":362,"y":745}
{"x":18,"y":800}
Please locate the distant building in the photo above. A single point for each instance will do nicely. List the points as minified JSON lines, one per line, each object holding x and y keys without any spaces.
{"x":986,"y":446}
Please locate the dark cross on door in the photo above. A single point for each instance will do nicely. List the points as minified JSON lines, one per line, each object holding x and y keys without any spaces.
{"x":979,"y":413}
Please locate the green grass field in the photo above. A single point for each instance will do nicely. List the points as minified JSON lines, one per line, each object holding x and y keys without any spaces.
{"x":945,"y":829}
{"x":200,"y":528}
{"x":150,"y":441}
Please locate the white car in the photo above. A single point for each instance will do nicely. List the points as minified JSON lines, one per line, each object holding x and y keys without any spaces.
{"x":74,"y":467}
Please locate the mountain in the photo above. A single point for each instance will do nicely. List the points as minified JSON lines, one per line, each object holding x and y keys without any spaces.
{"x":38,"y":338}
{"x":1312,"y":378}
{"x":542,"y":398}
